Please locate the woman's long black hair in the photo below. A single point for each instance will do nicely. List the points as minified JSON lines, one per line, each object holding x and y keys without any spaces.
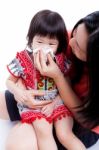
{"x":90,"y":109}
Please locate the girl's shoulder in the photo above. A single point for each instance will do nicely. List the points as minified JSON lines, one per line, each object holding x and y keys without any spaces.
{"x":22,"y":53}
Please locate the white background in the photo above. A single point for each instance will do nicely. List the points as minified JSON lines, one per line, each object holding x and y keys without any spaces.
{"x":15,"y":17}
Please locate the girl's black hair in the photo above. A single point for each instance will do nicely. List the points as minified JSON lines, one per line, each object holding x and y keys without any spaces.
{"x":90,"y":109}
{"x":48,"y":23}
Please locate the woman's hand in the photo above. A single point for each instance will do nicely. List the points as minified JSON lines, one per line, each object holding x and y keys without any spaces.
{"x":27,"y":97}
{"x":49,"y":69}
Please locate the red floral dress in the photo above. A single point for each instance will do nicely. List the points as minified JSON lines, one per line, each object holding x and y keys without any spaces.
{"x":22,"y":67}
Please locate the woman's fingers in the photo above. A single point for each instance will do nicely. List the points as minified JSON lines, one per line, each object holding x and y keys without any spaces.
{"x":42,"y":60}
{"x":37,"y":61}
{"x":37,"y":104}
{"x":28,"y":98}
{"x":41,"y":103}
{"x":36,"y":92}
{"x":50,"y":59}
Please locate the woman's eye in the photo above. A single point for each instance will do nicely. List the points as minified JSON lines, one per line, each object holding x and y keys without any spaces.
{"x":74,"y":33}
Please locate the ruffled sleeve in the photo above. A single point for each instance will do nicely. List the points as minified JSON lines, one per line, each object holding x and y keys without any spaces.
{"x":15,"y":68}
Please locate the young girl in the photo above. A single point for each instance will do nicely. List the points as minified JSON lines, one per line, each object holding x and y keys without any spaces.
{"x":47,"y":32}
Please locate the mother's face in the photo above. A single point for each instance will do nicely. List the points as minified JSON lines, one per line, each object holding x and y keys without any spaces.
{"x":78,"y":42}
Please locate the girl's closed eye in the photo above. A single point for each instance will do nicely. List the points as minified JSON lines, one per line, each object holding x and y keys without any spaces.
{"x":52,"y":43}
{"x":39,"y":42}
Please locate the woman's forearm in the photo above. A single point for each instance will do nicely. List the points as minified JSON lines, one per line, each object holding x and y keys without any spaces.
{"x":15,"y":84}
{"x":69,"y":97}
{"x":12,"y":87}
{"x":70,"y":100}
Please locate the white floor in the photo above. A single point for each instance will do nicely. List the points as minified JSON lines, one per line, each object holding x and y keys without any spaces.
{"x":5,"y":127}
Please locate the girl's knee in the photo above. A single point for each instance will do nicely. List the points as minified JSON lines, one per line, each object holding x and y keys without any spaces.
{"x":43,"y":128}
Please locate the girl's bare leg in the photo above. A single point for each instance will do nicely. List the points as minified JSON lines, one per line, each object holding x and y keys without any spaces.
{"x":44,"y":134}
{"x":3,"y":108}
{"x":22,"y":137}
{"x":65,"y":135}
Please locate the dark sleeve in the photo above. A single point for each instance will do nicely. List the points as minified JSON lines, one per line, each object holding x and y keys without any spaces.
{"x":87,"y":136}
{"x":12,"y":106}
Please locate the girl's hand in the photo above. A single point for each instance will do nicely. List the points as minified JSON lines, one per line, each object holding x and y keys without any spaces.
{"x":49,"y":69}
{"x":48,"y":109}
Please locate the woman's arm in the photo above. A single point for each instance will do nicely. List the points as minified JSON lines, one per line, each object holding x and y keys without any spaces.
{"x":52,"y":70}
{"x":22,"y":95}
{"x":67,"y":94}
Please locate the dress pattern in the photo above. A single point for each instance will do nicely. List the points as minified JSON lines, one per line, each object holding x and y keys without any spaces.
{"x":22,"y":66}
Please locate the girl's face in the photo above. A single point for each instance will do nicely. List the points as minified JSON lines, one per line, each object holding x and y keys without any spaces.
{"x":45,"y":42}
{"x":78,"y":42}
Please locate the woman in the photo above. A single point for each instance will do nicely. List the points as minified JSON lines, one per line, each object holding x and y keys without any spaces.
{"x":84,"y":75}
{"x":79,"y":42}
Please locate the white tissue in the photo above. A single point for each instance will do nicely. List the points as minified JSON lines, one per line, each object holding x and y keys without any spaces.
{"x":45,"y":51}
